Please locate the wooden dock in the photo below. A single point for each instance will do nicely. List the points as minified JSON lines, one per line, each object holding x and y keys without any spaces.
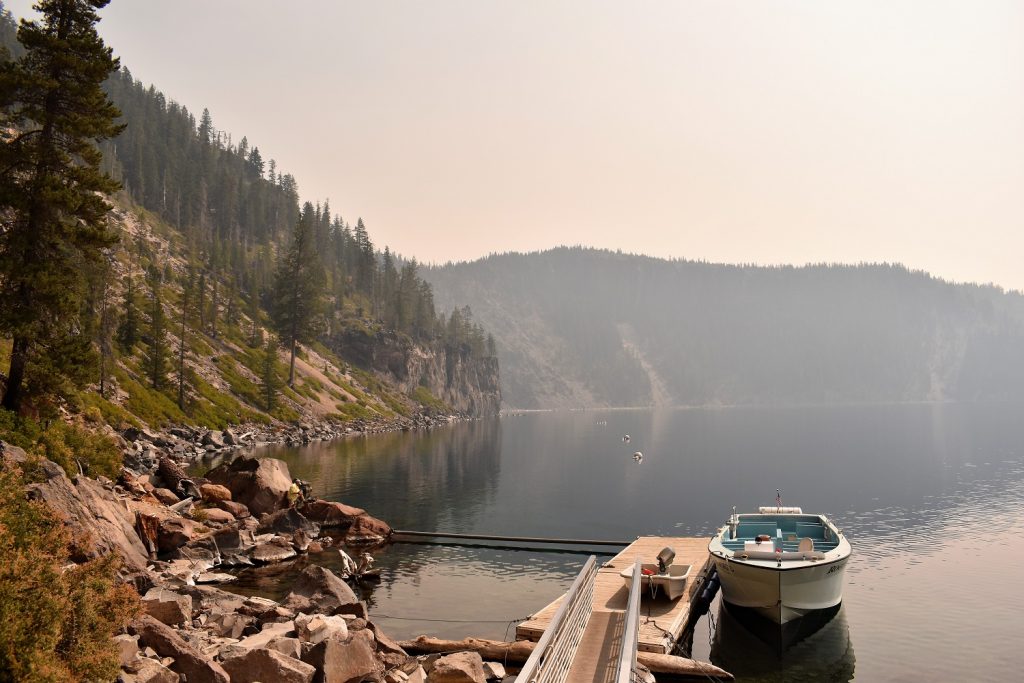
{"x":662,"y":622}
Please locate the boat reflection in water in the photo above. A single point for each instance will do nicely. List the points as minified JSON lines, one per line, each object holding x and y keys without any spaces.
{"x":815,"y":647}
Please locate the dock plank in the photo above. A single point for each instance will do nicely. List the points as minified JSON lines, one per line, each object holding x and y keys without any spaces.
{"x":661,"y":621}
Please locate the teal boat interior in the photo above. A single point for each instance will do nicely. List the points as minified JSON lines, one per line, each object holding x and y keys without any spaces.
{"x":782,"y":531}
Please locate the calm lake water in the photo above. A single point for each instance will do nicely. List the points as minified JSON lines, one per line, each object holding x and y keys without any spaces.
{"x":931,"y":497}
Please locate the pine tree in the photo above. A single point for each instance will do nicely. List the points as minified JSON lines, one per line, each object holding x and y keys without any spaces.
{"x":270,"y":383}
{"x":187,"y":296}
{"x":298,"y":289}
{"x":53,"y":112}
{"x":128,"y":329}
{"x":156,"y":360}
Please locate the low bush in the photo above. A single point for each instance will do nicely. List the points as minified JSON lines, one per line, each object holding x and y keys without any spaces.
{"x":56,"y":623}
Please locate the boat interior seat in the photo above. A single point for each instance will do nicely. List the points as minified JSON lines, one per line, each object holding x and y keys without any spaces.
{"x":812,"y":531}
{"x":806,"y":545}
{"x":755,"y":529}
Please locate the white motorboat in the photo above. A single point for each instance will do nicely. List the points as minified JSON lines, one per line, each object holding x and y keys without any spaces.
{"x":780,"y":562}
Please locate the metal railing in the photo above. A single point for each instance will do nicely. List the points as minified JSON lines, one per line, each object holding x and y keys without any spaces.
{"x":631,"y":630}
{"x":553,"y":655}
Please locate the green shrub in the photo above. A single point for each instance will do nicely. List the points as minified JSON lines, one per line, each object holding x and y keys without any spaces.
{"x":423,"y":396}
{"x":55,"y":625}
{"x":68,"y":445}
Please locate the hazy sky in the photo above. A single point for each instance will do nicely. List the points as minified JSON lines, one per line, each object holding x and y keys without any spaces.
{"x":765,"y":132}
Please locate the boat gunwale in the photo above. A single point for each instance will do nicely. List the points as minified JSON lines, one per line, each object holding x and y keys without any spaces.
{"x":843,"y":546}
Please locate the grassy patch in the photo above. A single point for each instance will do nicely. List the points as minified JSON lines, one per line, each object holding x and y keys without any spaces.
{"x":113,"y":414}
{"x":426,"y":399}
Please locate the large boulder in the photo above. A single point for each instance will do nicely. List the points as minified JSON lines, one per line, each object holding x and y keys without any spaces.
{"x":167,"y":643}
{"x":461,"y":667}
{"x":288,"y":521}
{"x":318,"y":589}
{"x":264,"y":665}
{"x":316,"y":628}
{"x":173,"y":533}
{"x":213,"y":438}
{"x":168,"y":607}
{"x":328,"y":513}
{"x":274,"y":550}
{"x":234,"y":507}
{"x":149,"y":671}
{"x":91,"y":512}
{"x":367,"y":530}
{"x":213,"y":493}
{"x":343,"y":660}
{"x":259,"y":484}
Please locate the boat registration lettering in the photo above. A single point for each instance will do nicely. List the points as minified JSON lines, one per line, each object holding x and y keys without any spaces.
{"x":833,"y":568}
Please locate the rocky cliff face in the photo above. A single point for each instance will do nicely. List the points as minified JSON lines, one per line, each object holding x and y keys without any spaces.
{"x":465,"y":383}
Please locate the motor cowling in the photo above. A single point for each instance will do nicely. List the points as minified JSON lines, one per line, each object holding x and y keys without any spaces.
{"x":665,"y":559}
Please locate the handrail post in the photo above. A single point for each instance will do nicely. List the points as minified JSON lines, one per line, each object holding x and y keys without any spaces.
{"x":631,"y":631}
{"x":552,"y":656}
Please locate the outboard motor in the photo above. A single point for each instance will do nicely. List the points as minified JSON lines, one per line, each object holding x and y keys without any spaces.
{"x":665,"y":558}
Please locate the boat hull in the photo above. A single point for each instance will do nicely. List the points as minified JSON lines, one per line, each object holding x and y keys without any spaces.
{"x":782,"y":594}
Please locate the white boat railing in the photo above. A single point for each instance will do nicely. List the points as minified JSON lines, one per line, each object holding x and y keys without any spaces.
{"x":553,"y":655}
{"x":631,"y":630}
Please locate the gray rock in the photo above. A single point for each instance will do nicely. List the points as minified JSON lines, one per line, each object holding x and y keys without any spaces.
{"x":173,"y":533}
{"x":166,"y":496}
{"x":316,"y":628}
{"x":127,"y":648}
{"x":217,"y":516}
{"x":274,"y":550}
{"x":317,"y":589}
{"x":288,"y":521}
{"x":167,"y":606}
{"x":261,"y":665}
{"x":90,"y":511}
{"x":270,"y":632}
{"x":340,"y":660}
{"x":494,"y":671}
{"x":213,"y":438}
{"x":259,"y":484}
{"x":291,"y":647}
{"x":152,"y":671}
{"x":461,"y":667}
{"x":167,"y":643}
{"x":331,"y":514}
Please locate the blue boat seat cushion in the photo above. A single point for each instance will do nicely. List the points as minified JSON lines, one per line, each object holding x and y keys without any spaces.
{"x":812,"y":531}
{"x":755,"y":529}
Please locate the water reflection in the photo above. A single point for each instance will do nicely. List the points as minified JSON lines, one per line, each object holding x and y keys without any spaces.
{"x":930,"y":495}
{"x":423,"y":480}
{"x":813,"y":649}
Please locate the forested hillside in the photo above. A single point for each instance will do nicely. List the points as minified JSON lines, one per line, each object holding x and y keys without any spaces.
{"x":584,"y":327}
{"x":221,"y":299}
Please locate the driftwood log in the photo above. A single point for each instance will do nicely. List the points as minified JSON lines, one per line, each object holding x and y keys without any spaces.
{"x":520,"y":650}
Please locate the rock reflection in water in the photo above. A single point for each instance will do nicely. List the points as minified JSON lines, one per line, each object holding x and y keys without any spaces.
{"x":422,"y":480}
{"x":814,"y":648}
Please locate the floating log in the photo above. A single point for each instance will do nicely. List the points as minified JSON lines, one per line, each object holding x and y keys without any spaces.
{"x":519,"y":651}
{"x":508,"y":539}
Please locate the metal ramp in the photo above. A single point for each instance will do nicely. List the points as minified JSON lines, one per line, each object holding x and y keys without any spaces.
{"x":580,"y":645}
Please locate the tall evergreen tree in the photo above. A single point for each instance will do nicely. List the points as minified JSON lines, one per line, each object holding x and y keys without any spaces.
{"x":128,"y":329}
{"x":298,"y":289}
{"x":156,"y":360}
{"x":53,"y":112}
{"x":270,"y":383}
{"x":187,"y":296}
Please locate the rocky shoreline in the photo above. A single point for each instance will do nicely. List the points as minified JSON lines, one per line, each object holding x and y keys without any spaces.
{"x":143,"y":448}
{"x":177,"y":533}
